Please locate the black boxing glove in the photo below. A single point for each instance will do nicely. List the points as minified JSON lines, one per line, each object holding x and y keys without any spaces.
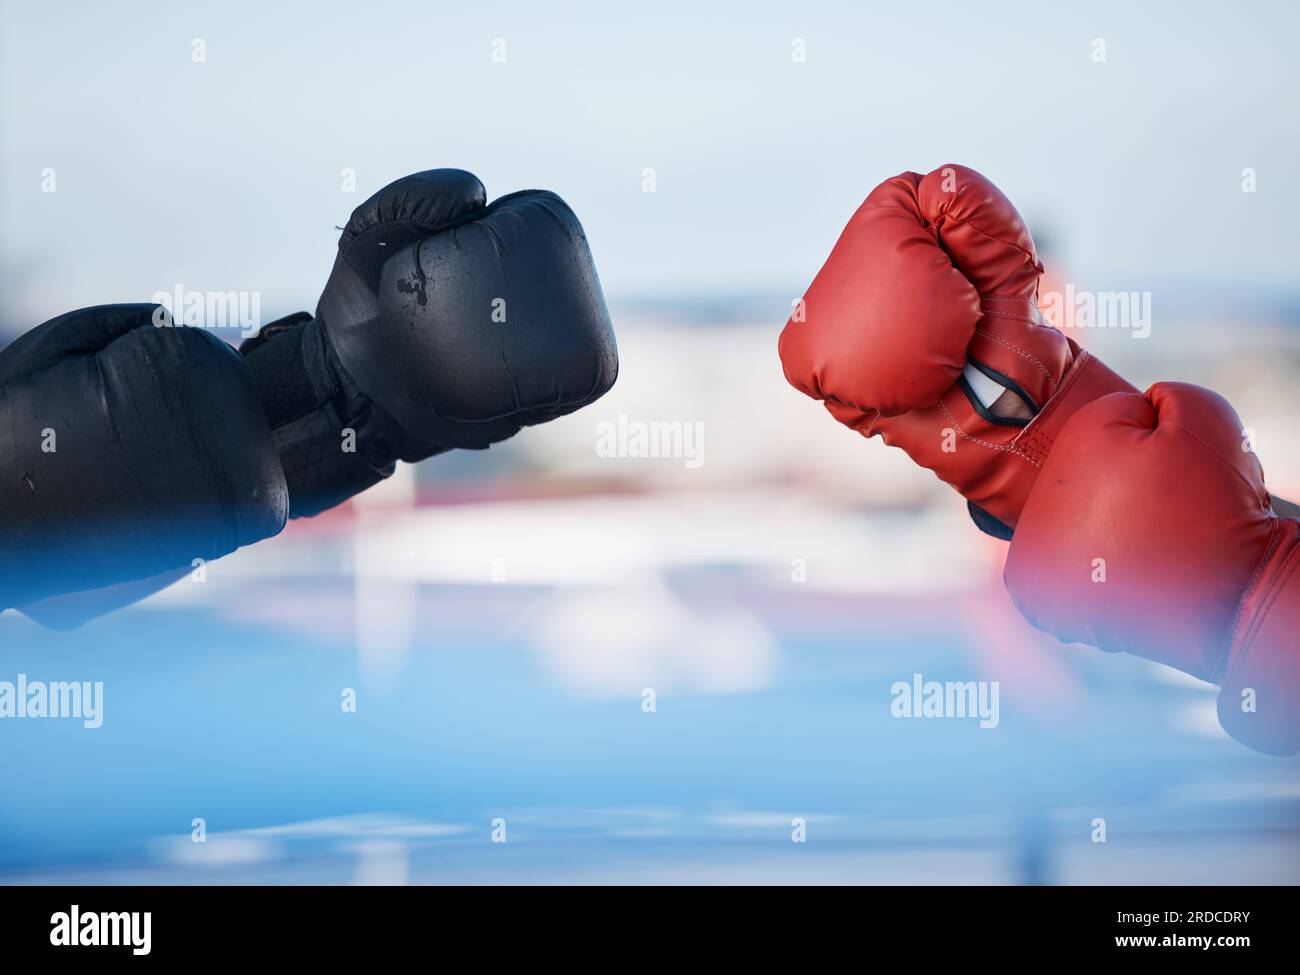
{"x":445,"y":323}
{"x":127,"y":450}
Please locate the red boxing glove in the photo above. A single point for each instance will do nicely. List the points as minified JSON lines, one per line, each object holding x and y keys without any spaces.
{"x":1151,"y":532}
{"x":931,"y":273}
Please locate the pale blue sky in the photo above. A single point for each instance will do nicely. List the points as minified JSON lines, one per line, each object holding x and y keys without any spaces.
{"x":225,"y":175}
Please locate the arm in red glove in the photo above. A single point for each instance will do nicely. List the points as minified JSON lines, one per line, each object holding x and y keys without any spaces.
{"x":934,"y":274}
{"x":1150,"y":532}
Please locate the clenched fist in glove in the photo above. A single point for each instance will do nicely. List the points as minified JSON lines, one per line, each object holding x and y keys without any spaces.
{"x":928,"y":301}
{"x":128,"y":450}
{"x":1150,"y":531}
{"x":445,"y":323}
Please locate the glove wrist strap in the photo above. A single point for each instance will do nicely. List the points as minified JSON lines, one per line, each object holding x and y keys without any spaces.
{"x":317,"y":416}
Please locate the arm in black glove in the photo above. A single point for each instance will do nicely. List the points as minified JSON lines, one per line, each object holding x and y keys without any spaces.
{"x":127,"y":450}
{"x":445,"y":323}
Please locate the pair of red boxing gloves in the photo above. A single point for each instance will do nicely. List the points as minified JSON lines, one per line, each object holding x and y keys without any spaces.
{"x":1138,"y":522}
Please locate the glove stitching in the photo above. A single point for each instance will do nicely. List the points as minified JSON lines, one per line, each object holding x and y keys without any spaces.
{"x":1033,"y":258}
{"x":1007,"y":448}
{"x":1039,"y":444}
{"x":1059,"y":396}
{"x":1018,"y":351}
{"x":994,"y":313}
{"x":894,"y":206}
{"x":1219,"y":457}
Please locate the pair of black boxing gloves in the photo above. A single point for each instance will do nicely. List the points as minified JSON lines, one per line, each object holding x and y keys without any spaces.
{"x":130,"y":446}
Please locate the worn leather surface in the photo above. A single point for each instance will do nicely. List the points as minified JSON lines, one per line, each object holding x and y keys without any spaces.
{"x":445,"y":323}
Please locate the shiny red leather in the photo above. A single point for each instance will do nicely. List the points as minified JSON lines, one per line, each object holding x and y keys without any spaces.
{"x":932,"y":271}
{"x":1150,"y":531}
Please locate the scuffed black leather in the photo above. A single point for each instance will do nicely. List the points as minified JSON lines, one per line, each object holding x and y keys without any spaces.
{"x":554,"y":354}
{"x":404,"y":349}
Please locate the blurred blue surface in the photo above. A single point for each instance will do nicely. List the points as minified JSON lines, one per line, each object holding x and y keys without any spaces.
{"x":241,"y":725}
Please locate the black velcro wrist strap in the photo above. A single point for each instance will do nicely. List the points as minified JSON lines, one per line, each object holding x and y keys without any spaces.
{"x":278,"y":356}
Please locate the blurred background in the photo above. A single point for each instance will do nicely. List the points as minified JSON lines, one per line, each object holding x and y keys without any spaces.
{"x":500,"y":616}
